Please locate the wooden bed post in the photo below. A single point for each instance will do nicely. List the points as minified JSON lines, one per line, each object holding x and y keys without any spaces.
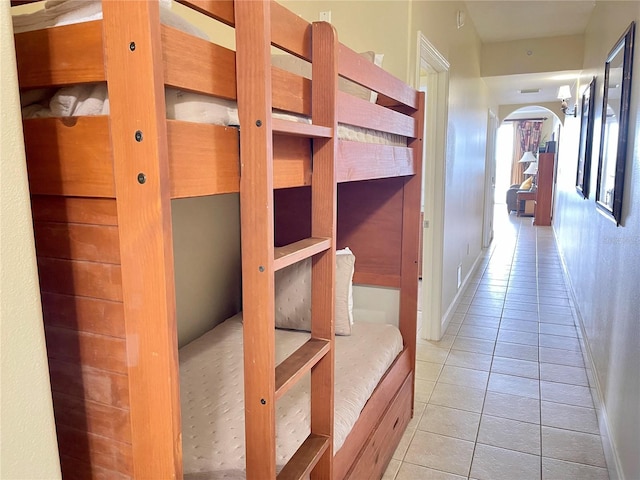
{"x":134,"y":71}
{"x":411,"y":238}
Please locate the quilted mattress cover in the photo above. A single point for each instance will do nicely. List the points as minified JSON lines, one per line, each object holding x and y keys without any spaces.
{"x":212,"y":394}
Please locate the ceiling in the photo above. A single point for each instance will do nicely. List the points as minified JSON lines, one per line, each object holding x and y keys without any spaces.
{"x":507,"y":20}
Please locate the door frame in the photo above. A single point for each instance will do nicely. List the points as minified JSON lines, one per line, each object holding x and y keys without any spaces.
{"x":432,"y":73}
{"x":490,"y":179}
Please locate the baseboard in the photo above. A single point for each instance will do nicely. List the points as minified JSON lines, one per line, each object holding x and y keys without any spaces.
{"x":448,"y":315}
{"x":610,"y":453}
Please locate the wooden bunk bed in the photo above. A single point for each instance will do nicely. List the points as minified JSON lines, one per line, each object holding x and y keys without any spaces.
{"x":101,"y":189}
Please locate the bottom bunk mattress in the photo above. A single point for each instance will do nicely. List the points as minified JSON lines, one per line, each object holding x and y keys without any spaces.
{"x":212,"y":394}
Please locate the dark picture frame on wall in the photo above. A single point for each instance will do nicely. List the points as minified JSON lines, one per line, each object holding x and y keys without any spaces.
{"x":583,"y":173}
{"x":615,"y":123}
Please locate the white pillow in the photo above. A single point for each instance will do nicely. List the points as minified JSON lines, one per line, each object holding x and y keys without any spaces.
{"x":293,"y":294}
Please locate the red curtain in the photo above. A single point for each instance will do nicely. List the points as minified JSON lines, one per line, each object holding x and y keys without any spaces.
{"x":527,"y":139}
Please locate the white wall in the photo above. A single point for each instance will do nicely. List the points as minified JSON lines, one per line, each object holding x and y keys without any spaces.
{"x":28,"y":447}
{"x":603,"y":261}
{"x":466,"y":137}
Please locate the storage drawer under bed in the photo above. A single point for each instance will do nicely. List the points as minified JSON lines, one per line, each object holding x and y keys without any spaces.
{"x":383,"y":441}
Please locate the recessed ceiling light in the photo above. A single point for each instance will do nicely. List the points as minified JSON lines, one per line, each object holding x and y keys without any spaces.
{"x":530,"y":90}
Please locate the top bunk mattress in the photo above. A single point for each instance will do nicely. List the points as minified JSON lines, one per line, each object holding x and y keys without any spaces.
{"x":92,"y":99}
{"x":212,"y":394}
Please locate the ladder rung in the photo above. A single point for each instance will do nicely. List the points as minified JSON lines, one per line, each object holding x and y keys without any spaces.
{"x":307,"y":456}
{"x":290,"y":370}
{"x":294,"y":252}
{"x":287,"y":127}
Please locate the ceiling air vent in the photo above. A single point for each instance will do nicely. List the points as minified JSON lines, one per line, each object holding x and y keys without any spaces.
{"x":530,"y":90}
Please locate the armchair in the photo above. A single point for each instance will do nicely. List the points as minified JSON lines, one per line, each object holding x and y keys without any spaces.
{"x":512,"y":198}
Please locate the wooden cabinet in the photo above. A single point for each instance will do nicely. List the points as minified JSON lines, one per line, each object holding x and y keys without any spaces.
{"x":544,"y":195}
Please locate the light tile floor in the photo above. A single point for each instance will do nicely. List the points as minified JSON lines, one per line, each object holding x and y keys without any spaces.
{"x":505,"y":393}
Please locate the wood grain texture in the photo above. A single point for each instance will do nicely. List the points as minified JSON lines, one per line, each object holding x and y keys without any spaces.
{"x":96,"y":385}
{"x":207,"y":68}
{"x":368,"y":161}
{"x":84,"y":314}
{"x":87,"y":349}
{"x":291,"y":92}
{"x":136,"y":95}
{"x":95,"y":450}
{"x":85,"y":415}
{"x":411,"y":228}
{"x":299,"y":363}
{"x":219,"y":9}
{"x":94,"y":243}
{"x":69,"y":156}
{"x":57,"y":56}
{"x":370,"y":223}
{"x":290,"y":32}
{"x":93,"y":211}
{"x":75,"y":469}
{"x":87,"y":279}
{"x":544,"y":195}
{"x":305,"y":458}
{"x":372,"y":414}
{"x":352,"y":67}
{"x":323,"y":224}
{"x":253,"y":63}
{"x":203,"y":159}
{"x":374,"y":458}
{"x":356,"y":111}
{"x":298,"y":251}
{"x":291,"y":161}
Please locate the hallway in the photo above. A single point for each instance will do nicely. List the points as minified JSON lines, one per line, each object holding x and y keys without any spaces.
{"x":505,"y":393}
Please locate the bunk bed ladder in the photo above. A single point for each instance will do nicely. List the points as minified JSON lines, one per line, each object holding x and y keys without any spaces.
{"x":264,"y":383}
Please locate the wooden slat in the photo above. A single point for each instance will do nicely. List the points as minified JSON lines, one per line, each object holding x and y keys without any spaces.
{"x":291,"y":161}
{"x":379,"y":279}
{"x":84,"y":314}
{"x":291,"y":92}
{"x":94,"y":211}
{"x":87,"y":279}
{"x":355,"y":111}
{"x":95,"y":243}
{"x":69,"y":156}
{"x":81,"y":381}
{"x":383,"y":441}
{"x":74,"y":469}
{"x":288,"y":127}
{"x":92,"y":417}
{"x":219,"y":9}
{"x":97,"y":351}
{"x":96,"y":450}
{"x":60,"y":56}
{"x":300,"y":362}
{"x":203,"y":159}
{"x":305,"y":458}
{"x":369,"y":75}
{"x":295,"y":252}
{"x":290,"y":32}
{"x":206,"y":68}
{"x":137,"y":103}
{"x":367,"y":161}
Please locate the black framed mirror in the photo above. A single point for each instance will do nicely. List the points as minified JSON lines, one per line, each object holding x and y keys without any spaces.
{"x":615,"y":122}
{"x":583,"y":173}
